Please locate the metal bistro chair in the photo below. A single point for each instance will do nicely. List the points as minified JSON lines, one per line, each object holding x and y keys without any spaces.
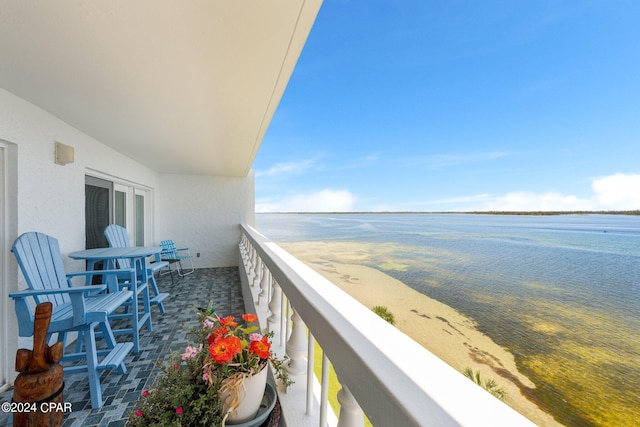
{"x":172,"y":255}
{"x":79,"y":309}
{"x":118,"y":237}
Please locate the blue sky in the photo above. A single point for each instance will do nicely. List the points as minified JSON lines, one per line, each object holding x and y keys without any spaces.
{"x":421,"y":105}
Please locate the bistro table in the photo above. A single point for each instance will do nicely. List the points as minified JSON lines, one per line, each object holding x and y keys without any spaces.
{"x":137,"y":281}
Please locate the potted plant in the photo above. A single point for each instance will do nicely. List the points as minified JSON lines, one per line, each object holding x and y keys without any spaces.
{"x":210,"y":383}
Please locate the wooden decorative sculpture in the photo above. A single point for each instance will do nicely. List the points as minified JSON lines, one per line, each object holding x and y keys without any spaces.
{"x":37,"y":393}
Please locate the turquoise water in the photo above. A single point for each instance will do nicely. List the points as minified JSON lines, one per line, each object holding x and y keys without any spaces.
{"x":562,"y":293}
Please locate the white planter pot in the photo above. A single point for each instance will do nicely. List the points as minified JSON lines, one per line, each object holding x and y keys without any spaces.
{"x":249,"y":398}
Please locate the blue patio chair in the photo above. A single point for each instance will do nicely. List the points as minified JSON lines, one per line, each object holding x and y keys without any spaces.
{"x":118,"y":237}
{"x":75,"y":309}
{"x":177,"y":256}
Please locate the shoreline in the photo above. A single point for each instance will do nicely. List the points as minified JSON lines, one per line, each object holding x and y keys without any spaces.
{"x":448,"y":334}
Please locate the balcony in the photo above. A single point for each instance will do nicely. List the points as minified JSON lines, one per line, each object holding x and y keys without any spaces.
{"x":383,"y":373}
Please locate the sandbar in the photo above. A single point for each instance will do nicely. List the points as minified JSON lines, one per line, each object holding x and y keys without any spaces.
{"x":445,"y":332}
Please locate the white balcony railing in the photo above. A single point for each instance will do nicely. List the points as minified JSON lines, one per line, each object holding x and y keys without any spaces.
{"x":395,"y":380}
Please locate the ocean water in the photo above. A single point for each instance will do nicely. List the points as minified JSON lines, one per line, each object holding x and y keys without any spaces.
{"x":562,"y":293}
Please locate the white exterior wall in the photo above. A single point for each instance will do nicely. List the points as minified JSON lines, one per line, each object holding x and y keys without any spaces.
{"x":50,"y":197}
{"x":47,"y":197}
{"x":203,"y":213}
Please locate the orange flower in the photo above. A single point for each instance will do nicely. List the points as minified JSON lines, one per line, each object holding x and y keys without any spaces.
{"x":261,"y":348}
{"x":249,"y":317}
{"x":221,"y":331}
{"x":224,"y":348}
{"x":228,"y":321}
{"x":217,"y":333}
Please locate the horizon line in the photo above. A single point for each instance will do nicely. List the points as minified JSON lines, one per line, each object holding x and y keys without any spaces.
{"x":541,"y":213}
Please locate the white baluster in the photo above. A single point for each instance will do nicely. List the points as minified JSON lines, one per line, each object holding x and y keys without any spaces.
{"x":351,"y":414}
{"x":247,"y":254}
{"x":284,"y":320}
{"x":251,"y":267}
{"x":324,"y":390}
{"x":310,"y":374}
{"x":254,"y":255}
{"x":258,"y":274}
{"x":275,"y":307}
{"x":244,"y":250}
{"x":297,"y":346}
{"x":245,"y":257}
{"x":263,"y":296}
{"x":262,"y":301}
{"x":243,"y":253}
{"x":255,"y":287}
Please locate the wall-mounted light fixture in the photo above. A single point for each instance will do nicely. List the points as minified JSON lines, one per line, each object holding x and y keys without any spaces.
{"x":64,"y":154}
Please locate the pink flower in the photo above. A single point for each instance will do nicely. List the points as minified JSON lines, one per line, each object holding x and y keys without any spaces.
{"x":189,"y":352}
{"x":145,"y":393}
{"x":139,"y":413}
{"x":255,"y":337}
{"x":179,"y":410}
{"x":205,"y":374}
{"x":176,"y":366}
{"x":207,"y":324}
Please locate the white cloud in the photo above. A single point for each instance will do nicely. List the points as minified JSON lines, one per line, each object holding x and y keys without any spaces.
{"x":618,"y":191}
{"x":614,"y":192}
{"x":286,"y":169}
{"x":528,"y":201}
{"x":326,"y":200}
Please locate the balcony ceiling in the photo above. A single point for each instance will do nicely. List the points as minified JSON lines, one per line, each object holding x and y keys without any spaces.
{"x":184,"y":87}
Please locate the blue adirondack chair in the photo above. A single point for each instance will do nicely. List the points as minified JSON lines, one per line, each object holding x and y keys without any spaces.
{"x":75,"y":309}
{"x":177,"y":256}
{"x":118,"y":237}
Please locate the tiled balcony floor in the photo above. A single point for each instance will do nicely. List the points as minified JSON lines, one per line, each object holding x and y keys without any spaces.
{"x":221,"y":286}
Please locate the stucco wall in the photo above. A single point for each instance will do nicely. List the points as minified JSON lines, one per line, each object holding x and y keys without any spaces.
{"x":50,"y":197}
{"x":203,"y":213}
{"x":47,"y":197}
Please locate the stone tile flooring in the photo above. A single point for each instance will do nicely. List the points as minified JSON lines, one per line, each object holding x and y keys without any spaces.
{"x":220,"y":286}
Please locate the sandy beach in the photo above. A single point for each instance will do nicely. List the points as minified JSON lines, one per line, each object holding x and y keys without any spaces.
{"x":445,"y":332}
